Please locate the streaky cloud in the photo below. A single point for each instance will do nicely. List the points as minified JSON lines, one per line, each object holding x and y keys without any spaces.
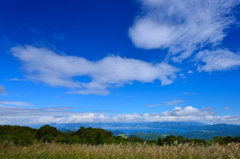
{"x":182,"y":26}
{"x":15,"y":103}
{"x":217,"y":60}
{"x":44,"y":65}
{"x":153,"y":105}
{"x":2,"y":89}
{"x":173,"y":102}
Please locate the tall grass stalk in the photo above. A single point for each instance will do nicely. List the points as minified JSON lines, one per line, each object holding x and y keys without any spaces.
{"x":130,"y":151}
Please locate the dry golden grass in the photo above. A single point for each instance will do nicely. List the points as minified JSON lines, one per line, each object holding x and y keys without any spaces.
{"x":131,"y":151}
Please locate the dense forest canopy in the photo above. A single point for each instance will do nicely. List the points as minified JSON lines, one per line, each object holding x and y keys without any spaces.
{"x":23,"y":135}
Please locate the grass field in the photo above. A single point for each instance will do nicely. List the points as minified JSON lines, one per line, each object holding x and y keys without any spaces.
{"x":57,"y":151}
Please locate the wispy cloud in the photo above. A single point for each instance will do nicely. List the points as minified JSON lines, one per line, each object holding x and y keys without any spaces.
{"x":190,"y":72}
{"x":217,"y":60}
{"x":182,"y":26}
{"x":49,"y":111}
{"x":15,"y":103}
{"x":227,"y":108}
{"x":190,"y":93}
{"x":170,"y":103}
{"x":2,"y":90}
{"x":173,"y":102}
{"x":182,"y":76}
{"x":60,"y":116}
{"x":55,"y":70}
{"x":153,"y":105}
{"x":104,"y":111}
{"x":17,"y":79}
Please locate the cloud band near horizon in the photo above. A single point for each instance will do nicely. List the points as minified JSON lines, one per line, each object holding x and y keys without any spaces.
{"x":60,"y":115}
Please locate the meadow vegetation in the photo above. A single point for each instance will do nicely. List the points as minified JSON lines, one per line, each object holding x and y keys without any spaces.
{"x":48,"y":142}
{"x":129,"y":151}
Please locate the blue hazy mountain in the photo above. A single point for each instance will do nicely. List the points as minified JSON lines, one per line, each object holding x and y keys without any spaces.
{"x":152,"y":130}
{"x":117,"y":132}
{"x":152,"y":125}
{"x":203,"y":135}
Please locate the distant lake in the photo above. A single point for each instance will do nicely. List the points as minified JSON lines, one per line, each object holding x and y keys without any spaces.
{"x":144,"y":130}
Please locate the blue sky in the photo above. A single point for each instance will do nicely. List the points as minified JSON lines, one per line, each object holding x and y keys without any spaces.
{"x":119,"y":61}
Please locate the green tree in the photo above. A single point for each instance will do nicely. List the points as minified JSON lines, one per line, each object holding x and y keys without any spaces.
{"x":170,"y":139}
{"x":110,"y":140}
{"x":73,"y":140}
{"x":236,"y":139}
{"x":120,"y":139}
{"x":218,"y":139}
{"x":180,"y":139}
{"x":47,"y":138}
{"x":100,"y":138}
{"x":2,"y":130}
{"x":160,"y":141}
{"x":134,"y":139}
{"x":47,"y":130}
{"x":81,"y":131}
{"x":23,"y":138}
{"x":227,"y":139}
{"x":83,"y":140}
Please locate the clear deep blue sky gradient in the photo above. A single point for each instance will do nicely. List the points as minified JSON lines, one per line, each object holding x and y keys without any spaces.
{"x":94,"y":29}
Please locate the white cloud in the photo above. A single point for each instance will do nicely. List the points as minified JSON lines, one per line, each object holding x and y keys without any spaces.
{"x":182,"y":76}
{"x":227,"y":108}
{"x":2,"y":90}
{"x":190,"y":93}
{"x":17,"y":79}
{"x":174,"y":102}
{"x":217,"y":60}
{"x":15,"y":115}
{"x":153,"y":105}
{"x":19,"y":111}
{"x":187,"y":111}
{"x":182,"y":26}
{"x":44,"y":65}
{"x":171,"y":103}
{"x":16,"y":103}
{"x":190,"y":72}
{"x":55,"y":112}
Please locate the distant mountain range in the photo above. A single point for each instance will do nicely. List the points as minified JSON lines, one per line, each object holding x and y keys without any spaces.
{"x":203,"y":135}
{"x":145,"y":125}
{"x":153,"y":125}
{"x":192,"y":129}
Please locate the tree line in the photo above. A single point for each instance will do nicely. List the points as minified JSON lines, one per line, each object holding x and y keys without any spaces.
{"x":23,"y":135}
